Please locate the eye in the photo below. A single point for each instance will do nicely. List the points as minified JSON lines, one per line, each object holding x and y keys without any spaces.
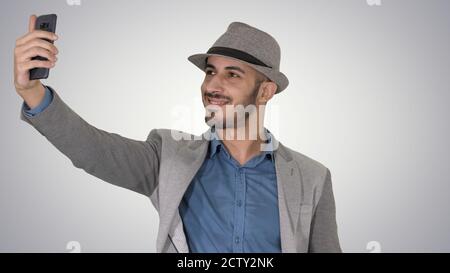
{"x":234,"y":74}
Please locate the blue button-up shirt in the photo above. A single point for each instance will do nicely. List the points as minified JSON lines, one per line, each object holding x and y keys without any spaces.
{"x":227,"y":207}
{"x":230,"y":207}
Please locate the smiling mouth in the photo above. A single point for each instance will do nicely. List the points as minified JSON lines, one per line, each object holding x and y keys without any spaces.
{"x":216,"y":101}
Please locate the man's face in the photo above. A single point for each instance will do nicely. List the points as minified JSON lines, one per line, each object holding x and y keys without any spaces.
{"x":229,"y":83}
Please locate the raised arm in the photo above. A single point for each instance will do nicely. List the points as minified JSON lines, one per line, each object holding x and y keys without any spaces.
{"x":124,"y":162}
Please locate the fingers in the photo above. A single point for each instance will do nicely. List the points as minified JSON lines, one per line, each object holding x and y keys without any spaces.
{"x":36,"y":51}
{"x":31,"y":23}
{"x":36,"y":43}
{"x":42,"y":34}
{"x":27,"y":65}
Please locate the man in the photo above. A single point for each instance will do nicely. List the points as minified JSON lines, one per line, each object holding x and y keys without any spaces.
{"x":235,"y":188}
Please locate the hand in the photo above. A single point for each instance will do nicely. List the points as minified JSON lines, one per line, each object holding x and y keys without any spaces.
{"x":28,"y":46}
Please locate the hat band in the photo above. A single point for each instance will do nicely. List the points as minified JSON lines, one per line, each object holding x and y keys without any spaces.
{"x":235,"y":53}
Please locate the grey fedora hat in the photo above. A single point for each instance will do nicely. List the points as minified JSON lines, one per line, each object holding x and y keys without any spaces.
{"x":250,"y":45}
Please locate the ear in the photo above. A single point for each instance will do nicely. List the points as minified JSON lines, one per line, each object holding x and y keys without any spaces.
{"x":268,"y":89}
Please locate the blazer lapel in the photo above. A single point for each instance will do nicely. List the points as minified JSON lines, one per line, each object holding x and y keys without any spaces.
{"x":185,"y":164}
{"x":290,"y":192}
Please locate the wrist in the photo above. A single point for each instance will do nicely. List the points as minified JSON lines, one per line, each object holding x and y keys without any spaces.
{"x":33,"y":96}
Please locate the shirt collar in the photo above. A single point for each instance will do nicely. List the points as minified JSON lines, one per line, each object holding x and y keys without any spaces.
{"x":216,"y":144}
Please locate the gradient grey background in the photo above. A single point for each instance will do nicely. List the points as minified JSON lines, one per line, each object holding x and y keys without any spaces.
{"x":368,"y":97}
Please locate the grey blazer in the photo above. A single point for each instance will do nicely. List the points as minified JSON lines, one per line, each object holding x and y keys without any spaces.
{"x":162,"y":168}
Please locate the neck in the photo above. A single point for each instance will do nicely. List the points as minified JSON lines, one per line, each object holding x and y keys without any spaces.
{"x":242,"y":142}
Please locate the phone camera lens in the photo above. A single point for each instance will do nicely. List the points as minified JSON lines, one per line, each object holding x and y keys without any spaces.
{"x":43,"y":26}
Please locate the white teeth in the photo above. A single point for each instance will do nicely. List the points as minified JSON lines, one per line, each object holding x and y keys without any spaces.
{"x":217,"y":102}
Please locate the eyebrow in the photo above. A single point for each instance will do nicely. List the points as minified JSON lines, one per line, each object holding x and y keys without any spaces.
{"x":228,"y":68}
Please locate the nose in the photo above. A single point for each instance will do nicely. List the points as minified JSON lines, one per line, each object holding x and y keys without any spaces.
{"x":214,"y":84}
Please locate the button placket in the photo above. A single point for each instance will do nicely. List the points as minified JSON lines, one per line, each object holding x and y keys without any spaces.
{"x":239,"y":213}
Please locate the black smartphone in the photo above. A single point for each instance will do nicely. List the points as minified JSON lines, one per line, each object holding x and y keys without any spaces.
{"x":48,"y":23}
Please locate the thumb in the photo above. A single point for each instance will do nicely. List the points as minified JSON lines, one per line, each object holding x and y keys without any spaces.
{"x":31,"y":23}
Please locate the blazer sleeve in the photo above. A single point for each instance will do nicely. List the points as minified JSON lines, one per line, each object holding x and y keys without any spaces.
{"x":324,"y":233}
{"x":124,"y":162}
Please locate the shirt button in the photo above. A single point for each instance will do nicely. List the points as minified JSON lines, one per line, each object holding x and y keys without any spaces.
{"x":237,"y":240}
{"x":239,"y":203}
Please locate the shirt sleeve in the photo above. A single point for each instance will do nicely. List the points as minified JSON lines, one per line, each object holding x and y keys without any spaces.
{"x":48,"y":97}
